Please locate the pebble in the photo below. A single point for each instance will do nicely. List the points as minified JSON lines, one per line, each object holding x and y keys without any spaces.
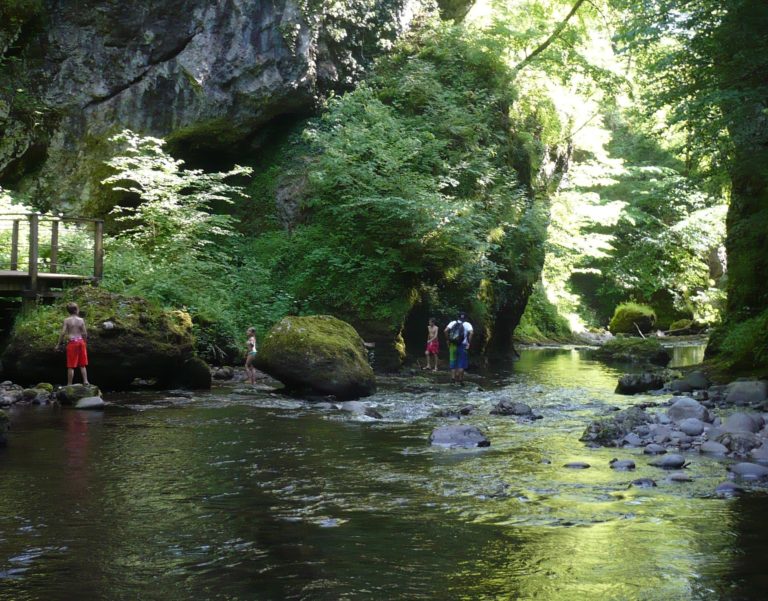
{"x":679,"y":477}
{"x":577,"y":465}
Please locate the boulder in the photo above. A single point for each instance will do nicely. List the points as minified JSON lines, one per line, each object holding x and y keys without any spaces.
{"x":680,"y":386}
{"x":70,"y":395}
{"x":760,"y":453}
{"x":654,"y":449}
{"x":745,"y":392}
{"x":144,"y":341}
{"x":686,"y":408}
{"x":634,"y":350}
{"x":458,"y":436}
{"x":692,"y":426}
{"x":740,"y":443}
{"x":35,"y":396}
{"x":628,"y":318}
{"x":635,"y":383}
{"x":318,"y":353}
{"x":743,"y":422}
{"x":749,"y":471}
{"x":713,"y":448}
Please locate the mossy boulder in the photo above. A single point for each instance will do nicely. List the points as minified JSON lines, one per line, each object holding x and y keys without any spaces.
{"x":634,"y":350}
{"x":628,"y":317}
{"x":70,"y":395}
{"x":128,"y":338}
{"x":680,"y":324}
{"x":318,"y":353}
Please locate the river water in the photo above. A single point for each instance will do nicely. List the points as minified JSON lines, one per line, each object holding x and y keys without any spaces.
{"x":236,"y":494}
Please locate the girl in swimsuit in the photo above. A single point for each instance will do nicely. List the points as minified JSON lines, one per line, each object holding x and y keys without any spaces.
{"x":250,"y":370}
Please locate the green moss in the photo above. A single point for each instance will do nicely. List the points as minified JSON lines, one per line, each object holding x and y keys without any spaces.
{"x":633,"y":350}
{"x":628,"y":317}
{"x":681,"y":324}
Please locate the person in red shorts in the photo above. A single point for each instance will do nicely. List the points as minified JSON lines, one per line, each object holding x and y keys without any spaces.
{"x":75,"y":332}
{"x":433,"y":346}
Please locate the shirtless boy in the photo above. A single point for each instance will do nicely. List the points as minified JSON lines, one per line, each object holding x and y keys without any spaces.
{"x":76,"y":334}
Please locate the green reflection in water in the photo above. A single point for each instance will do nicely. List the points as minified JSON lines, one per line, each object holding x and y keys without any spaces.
{"x":252,"y":498}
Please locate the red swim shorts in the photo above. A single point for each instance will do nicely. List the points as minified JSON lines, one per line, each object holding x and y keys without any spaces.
{"x":433,"y":347}
{"x":77,"y":355}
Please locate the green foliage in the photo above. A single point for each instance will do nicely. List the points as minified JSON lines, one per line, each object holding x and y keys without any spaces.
{"x":629,"y":316}
{"x":741,"y":347}
{"x":411,"y":188}
{"x":541,"y":320}
{"x":177,"y":252}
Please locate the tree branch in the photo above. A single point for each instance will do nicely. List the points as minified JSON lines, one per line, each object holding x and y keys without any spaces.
{"x":546,"y":43}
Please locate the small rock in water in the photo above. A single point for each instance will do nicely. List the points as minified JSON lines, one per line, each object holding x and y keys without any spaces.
{"x":577,"y":465}
{"x":679,"y":477}
{"x":728,"y":489}
{"x":91,"y":402}
{"x":371,"y":412}
{"x":459,"y":436}
{"x":654,"y":449}
{"x":643,"y":483}
{"x":669,"y":462}
{"x":633,"y":440}
{"x":546,"y":461}
{"x":749,"y":471}
{"x":506,"y":407}
{"x":623,"y":465}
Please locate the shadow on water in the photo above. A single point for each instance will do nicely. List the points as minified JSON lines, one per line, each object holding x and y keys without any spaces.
{"x":232,"y":496}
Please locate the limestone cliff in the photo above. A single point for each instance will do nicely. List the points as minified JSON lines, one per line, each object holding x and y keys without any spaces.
{"x":204,"y":74}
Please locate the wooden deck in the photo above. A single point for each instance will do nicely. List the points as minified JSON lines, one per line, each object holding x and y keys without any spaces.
{"x":42,"y":278}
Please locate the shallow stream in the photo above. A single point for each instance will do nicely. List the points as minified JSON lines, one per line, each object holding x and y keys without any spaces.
{"x":236,"y":494}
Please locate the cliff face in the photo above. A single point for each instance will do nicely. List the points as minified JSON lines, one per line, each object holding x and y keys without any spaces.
{"x":207,"y":75}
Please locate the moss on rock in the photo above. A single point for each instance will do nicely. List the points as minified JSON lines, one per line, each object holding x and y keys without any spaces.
{"x":319,"y":353}
{"x":129,"y":337}
{"x":634,"y":350}
{"x":628,"y":317}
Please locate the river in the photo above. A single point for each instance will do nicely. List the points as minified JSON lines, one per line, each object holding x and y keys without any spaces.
{"x":245,"y":495}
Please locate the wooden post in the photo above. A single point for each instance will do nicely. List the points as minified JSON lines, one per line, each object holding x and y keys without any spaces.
{"x":34,"y":221}
{"x":54,"y":245}
{"x":98,"y":249}
{"x":15,"y":246}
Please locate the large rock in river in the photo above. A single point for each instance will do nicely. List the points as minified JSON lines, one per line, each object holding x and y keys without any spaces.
{"x":128,"y":338}
{"x":318,"y":353}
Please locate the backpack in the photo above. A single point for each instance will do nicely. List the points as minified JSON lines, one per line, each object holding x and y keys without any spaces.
{"x":456,"y":333}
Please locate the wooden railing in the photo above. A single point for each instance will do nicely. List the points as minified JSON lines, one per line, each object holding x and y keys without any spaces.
{"x":29,"y":226}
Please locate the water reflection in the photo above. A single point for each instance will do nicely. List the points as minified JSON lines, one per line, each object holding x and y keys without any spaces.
{"x":247,"y":497}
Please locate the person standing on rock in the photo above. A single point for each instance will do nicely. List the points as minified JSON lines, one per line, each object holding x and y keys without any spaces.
{"x":75,"y":332}
{"x":250,"y":370}
{"x":459,"y":334}
{"x":433,"y":345}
